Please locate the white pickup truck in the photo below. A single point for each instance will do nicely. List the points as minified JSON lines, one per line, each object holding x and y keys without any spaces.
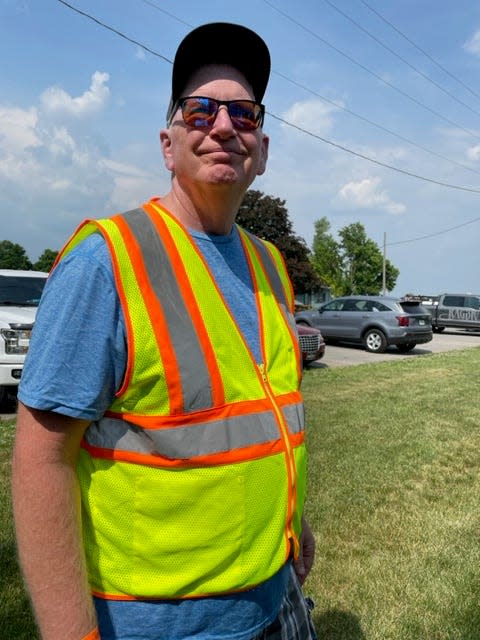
{"x":20,"y":293}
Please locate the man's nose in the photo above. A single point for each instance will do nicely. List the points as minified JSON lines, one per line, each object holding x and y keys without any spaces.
{"x":223,"y":122}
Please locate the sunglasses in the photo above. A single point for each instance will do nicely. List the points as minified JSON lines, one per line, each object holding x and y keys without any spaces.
{"x":200,"y":112}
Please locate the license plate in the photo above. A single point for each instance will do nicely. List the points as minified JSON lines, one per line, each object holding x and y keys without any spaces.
{"x":421,"y":322}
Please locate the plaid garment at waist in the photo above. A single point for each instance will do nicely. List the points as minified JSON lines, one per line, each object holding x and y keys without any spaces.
{"x":293,"y":621}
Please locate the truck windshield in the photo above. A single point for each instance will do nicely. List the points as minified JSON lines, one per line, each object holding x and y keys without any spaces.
{"x":21,"y":291}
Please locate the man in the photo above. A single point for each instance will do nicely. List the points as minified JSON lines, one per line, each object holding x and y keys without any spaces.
{"x":161,"y":393}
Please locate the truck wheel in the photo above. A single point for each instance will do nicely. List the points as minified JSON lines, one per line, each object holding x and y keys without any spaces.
{"x":375,"y":341}
{"x":438,"y":329}
{"x":408,"y":346}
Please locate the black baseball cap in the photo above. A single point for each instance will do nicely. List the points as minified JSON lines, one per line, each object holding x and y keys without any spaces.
{"x":221,"y":43}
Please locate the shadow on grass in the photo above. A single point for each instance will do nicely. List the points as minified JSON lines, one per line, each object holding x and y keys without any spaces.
{"x":468,"y":623}
{"x":338,"y":625}
{"x":8,"y":400}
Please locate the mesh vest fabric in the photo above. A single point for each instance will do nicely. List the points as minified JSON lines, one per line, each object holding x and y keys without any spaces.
{"x":193,"y":483}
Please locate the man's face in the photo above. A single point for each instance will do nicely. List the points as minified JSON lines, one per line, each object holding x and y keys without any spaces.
{"x":219,"y":155}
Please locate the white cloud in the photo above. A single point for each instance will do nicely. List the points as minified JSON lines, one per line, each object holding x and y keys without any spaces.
{"x":314,"y":115}
{"x":473,"y":45}
{"x":60,"y":143}
{"x":17,"y":129}
{"x":56,"y":100}
{"x":473,"y":153}
{"x":54,"y":173}
{"x":365,"y":194}
{"x":129,"y":182}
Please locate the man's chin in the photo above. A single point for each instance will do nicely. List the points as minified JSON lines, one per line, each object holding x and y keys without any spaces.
{"x":223,"y":174}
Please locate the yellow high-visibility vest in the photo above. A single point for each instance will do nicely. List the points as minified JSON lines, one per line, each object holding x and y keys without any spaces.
{"x":193,"y":482}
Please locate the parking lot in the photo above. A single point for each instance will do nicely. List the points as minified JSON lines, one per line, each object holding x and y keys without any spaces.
{"x":343,"y":356}
{"x":449,"y":340}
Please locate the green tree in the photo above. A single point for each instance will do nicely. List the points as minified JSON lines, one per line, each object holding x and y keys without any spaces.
{"x":268,"y":219}
{"x":13,"y":256}
{"x":327,"y":257}
{"x":354,"y":265}
{"x":363,"y":263}
{"x":46,"y":260}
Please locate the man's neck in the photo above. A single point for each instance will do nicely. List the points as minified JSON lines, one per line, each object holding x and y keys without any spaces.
{"x":212,"y":212}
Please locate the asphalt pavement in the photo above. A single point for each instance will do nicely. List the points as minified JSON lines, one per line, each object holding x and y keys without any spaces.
{"x":449,"y":340}
{"x":344,"y":356}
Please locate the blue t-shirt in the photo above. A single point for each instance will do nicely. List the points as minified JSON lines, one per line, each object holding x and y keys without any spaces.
{"x":76,"y":362}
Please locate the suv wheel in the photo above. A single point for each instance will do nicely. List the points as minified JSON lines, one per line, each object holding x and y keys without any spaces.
{"x":375,"y":341}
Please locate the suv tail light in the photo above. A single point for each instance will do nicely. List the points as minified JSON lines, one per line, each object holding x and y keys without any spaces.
{"x":403,"y":321}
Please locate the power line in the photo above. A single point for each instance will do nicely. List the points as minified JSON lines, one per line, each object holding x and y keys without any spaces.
{"x":425,"y":53}
{"x":390,"y":50}
{"x":299,"y":128}
{"x":375,"y":75}
{"x":432,"y":235}
{"x":170,"y":15}
{"x":378,"y":162}
{"x":335,"y":104}
{"x":334,"y":144}
{"x":118,"y":33}
{"x":152,"y":4}
{"x":375,"y":124}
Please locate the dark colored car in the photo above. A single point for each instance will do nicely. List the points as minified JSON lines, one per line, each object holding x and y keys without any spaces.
{"x":312,"y":344}
{"x":374,"y":321}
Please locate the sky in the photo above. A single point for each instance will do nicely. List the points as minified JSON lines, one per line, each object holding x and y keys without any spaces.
{"x":373,"y":114}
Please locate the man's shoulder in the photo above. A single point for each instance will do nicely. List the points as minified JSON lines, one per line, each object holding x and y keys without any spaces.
{"x":87,"y":267}
{"x":92,"y":249}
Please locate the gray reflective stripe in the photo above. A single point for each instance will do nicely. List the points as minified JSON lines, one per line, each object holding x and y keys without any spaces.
{"x":183,"y":442}
{"x":294,"y":415}
{"x":272,"y":272}
{"x":271,"y":269}
{"x":194,"y":375}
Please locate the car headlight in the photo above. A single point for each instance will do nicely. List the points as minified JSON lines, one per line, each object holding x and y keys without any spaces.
{"x":17,"y":341}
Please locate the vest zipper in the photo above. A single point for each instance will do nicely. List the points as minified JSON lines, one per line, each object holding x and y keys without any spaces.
{"x":291,"y":467}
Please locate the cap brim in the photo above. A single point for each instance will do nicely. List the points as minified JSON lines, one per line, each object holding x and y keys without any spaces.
{"x":221,"y":43}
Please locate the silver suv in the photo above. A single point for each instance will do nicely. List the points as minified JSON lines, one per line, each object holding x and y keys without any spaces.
{"x":374,"y":321}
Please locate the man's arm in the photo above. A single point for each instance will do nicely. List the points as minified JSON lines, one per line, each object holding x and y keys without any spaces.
{"x":304,"y":563}
{"x":47,"y":517}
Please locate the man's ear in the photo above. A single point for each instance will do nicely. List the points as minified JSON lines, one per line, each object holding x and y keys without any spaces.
{"x":166,"y":144}
{"x":262,"y":165}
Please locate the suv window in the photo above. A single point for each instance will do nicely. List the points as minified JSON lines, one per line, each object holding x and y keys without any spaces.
{"x":378,"y":306}
{"x":351,"y":305}
{"x":20,"y":290}
{"x":335,"y":305}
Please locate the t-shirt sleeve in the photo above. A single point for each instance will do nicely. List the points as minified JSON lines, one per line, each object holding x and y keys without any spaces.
{"x":77,"y":354}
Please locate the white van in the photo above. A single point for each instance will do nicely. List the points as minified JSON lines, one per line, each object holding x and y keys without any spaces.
{"x":20,"y":293}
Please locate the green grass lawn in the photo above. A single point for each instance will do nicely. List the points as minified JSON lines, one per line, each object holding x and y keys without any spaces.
{"x":394,"y":490}
{"x":16,"y":620}
{"x":394,"y":486}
